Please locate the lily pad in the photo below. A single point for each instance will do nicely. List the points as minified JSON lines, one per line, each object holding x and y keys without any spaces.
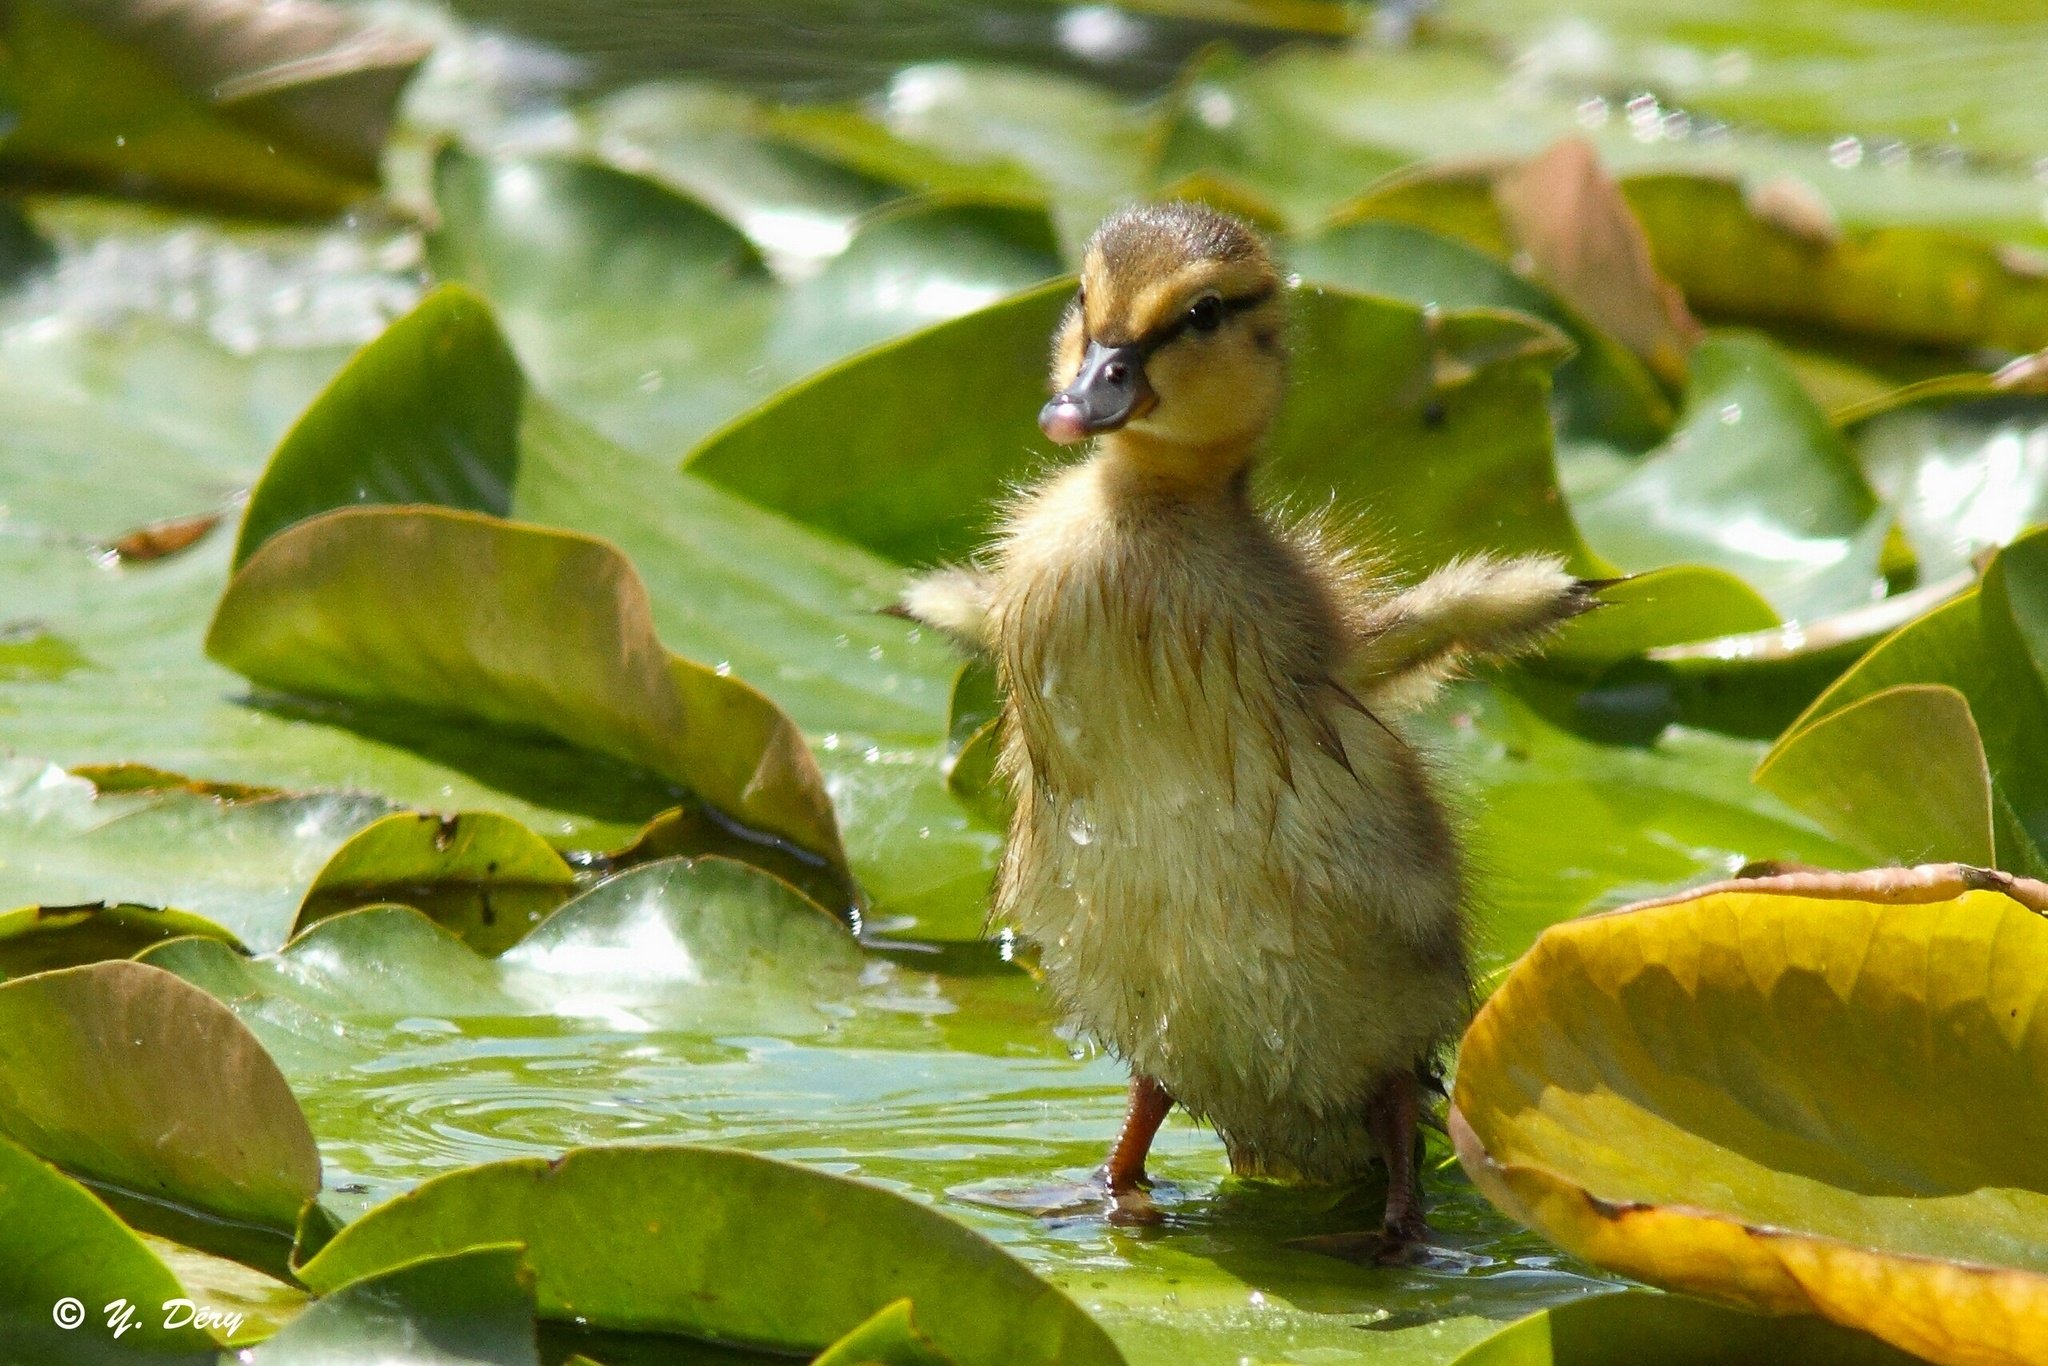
{"x":1986,"y":645}
{"x":482,"y":875}
{"x":1754,"y":481}
{"x":239,"y":864}
{"x":473,"y":1308}
{"x":723,"y":1244}
{"x":1900,"y":773}
{"x":1908,"y":284}
{"x":437,"y":412}
{"x":80,"y":1254}
{"x":38,"y":938}
{"x":217,"y":100}
{"x":655,"y":319}
{"x":1674,"y":1330}
{"x":362,"y":604}
{"x":889,"y":1338}
{"x":1604,"y":391}
{"x":1789,"y":1104}
{"x":1965,"y":469}
{"x":124,"y":1074}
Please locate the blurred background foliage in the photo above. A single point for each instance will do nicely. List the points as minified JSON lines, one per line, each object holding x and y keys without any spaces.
{"x":583,"y":378}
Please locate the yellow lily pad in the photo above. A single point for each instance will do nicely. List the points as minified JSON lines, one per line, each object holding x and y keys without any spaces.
{"x":1794,"y":1104}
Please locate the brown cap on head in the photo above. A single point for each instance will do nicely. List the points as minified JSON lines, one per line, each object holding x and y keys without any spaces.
{"x":1173,"y":297}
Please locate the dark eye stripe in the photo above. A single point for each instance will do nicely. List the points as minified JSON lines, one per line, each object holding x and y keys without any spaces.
{"x":1166,"y":332}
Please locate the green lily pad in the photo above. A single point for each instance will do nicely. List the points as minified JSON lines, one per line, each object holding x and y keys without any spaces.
{"x":78,"y":1253}
{"x":694,"y":943}
{"x":1987,"y":646}
{"x":1677,"y":1330}
{"x":1900,"y":773}
{"x":409,"y":607}
{"x":436,"y":411}
{"x":473,"y":1308}
{"x":1792,"y":1104}
{"x":1964,"y":469}
{"x":654,"y":318}
{"x":214,"y":100}
{"x":1604,"y":392}
{"x":1462,"y":395}
{"x":1754,"y":481}
{"x":106,"y":1060}
{"x":889,"y":1338}
{"x":39,"y":938}
{"x":482,"y":875}
{"x":238,"y":864}
{"x":1229,"y":117}
{"x":723,"y":1244}
{"x":1660,"y":607}
{"x":1908,"y":284}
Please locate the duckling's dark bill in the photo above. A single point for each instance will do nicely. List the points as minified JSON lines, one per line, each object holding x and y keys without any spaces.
{"x":1109,"y":391}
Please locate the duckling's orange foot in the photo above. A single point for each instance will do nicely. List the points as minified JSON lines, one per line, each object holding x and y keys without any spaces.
{"x":1133,"y":1209}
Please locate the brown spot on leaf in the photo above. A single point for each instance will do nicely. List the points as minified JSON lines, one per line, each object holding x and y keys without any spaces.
{"x":159,"y":540}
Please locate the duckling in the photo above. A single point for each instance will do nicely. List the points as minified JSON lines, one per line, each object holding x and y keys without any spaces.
{"x":1235,"y":866}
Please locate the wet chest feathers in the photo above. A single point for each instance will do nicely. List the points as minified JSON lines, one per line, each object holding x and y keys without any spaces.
{"x":1151,"y":641}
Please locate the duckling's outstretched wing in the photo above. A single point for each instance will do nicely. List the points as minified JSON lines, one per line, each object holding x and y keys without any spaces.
{"x":953,"y":599}
{"x":1407,"y":645}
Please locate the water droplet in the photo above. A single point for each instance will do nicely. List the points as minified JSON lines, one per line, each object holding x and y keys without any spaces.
{"x":1080,"y":829}
{"x":1275,"y":1040}
{"x":842,"y":640}
{"x":924,"y":832}
{"x":1258,"y":1299}
{"x":831,"y":741}
{"x":1593,"y":113}
{"x":872,"y":754}
{"x":724,"y":669}
{"x":1731,"y":413}
{"x":1846,"y":153}
{"x":875,"y":653}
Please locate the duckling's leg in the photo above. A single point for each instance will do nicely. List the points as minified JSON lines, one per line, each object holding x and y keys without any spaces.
{"x":1150,"y":1102}
{"x":1393,"y":1115}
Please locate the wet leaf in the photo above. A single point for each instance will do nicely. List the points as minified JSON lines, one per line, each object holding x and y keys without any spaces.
{"x":1754,"y":481}
{"x":38,"y":938}
{"x":723,"y":1244}
{"x":1605,"y":392}
{"x":654,"y":319}
{"x":81,"y":1251}
{"x":483,"y":876}
{"x":698,"y":942}
{"x":107,"y":1064}
{"x":1659,"y":607}
{"x":436,"y":411}
{"x":1581,"y":237}
{"x":410,"y":606}
{"x":1900,"y":774}
{"x":473,"y":1308}
{"x":1908,"y":284}
{"x":224,"y":101}
{"x":239,"y":864}
{"x":1229,"y":118}
{"x":1964,"y":469}
{"x":1791,"y":1104}
{"x":889,"y":1338}
{"x":1674,"y":1330}
{"x":1987,"y":646}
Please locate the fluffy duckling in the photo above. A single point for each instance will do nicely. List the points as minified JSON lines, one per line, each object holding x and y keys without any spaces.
{"x":1235,"y":867}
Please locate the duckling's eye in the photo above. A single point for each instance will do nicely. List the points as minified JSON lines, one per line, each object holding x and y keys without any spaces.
{"x":1206,"y":313}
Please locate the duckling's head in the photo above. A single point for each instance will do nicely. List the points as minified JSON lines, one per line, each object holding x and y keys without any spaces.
{"x":1175,"y":338}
